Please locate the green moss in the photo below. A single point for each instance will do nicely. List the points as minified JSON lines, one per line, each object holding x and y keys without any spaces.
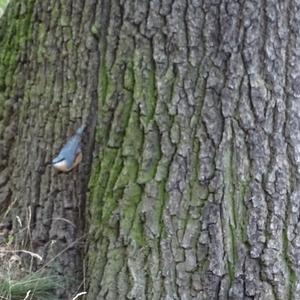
{"x":128,"y":173}
{"x":13,"y":42}
{"x":151,"y":156}
{"x":64,"y":20}
{"x":145,"y":85}
{"x":229,"y":185}
{"x":138,"y":80}
{"x":137,"y":232}
{"x":116,"y":256}
{"x":55,"y":14}
{"x":120,"y":121}
{"x":292,"y":281}
{"x":103,"y":82}
{"x":151,"y":95}
{"x":129,"y":77}
{"x":103,"y":179}
{"x":133,"y":140}
{"x":129,"y":217}
{"x":234,"y":255}
{"x":42,"y":32}
{"x":231,"y":271}
{"x":229,"y":202}
{"x":110,"y":195}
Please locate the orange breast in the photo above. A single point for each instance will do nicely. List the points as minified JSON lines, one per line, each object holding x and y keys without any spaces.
{"x":78,"y":159}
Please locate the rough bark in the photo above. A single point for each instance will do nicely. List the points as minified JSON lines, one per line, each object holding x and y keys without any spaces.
{"x":195,"y":193}
{"x":48,"y":84}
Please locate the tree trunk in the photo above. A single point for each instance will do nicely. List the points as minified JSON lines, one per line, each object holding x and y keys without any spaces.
{"x":48,"y":85}
{"x":194,"y":191}
{"x":195,"y":194}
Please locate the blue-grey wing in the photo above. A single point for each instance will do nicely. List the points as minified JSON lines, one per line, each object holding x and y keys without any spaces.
{"x":70,"y":159}
{"x":58,"y":158}
{"x":71,"y":149}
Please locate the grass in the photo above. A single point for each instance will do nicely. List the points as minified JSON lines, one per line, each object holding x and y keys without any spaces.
{"x":19,"y":282}
{"x":3,"y":4}
{"x":33,"y":286}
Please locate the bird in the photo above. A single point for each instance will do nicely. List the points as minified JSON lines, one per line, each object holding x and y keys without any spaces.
{"x":70,"y":155}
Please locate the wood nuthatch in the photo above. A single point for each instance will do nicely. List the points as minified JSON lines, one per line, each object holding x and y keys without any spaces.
{"x":70,"y":155}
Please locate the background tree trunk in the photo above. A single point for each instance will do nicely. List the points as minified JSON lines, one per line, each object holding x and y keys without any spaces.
{"x":194,"y":192}
{"x":48,"y":83}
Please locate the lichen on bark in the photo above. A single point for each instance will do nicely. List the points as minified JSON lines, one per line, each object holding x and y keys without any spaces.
{"x":211,"y":151}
